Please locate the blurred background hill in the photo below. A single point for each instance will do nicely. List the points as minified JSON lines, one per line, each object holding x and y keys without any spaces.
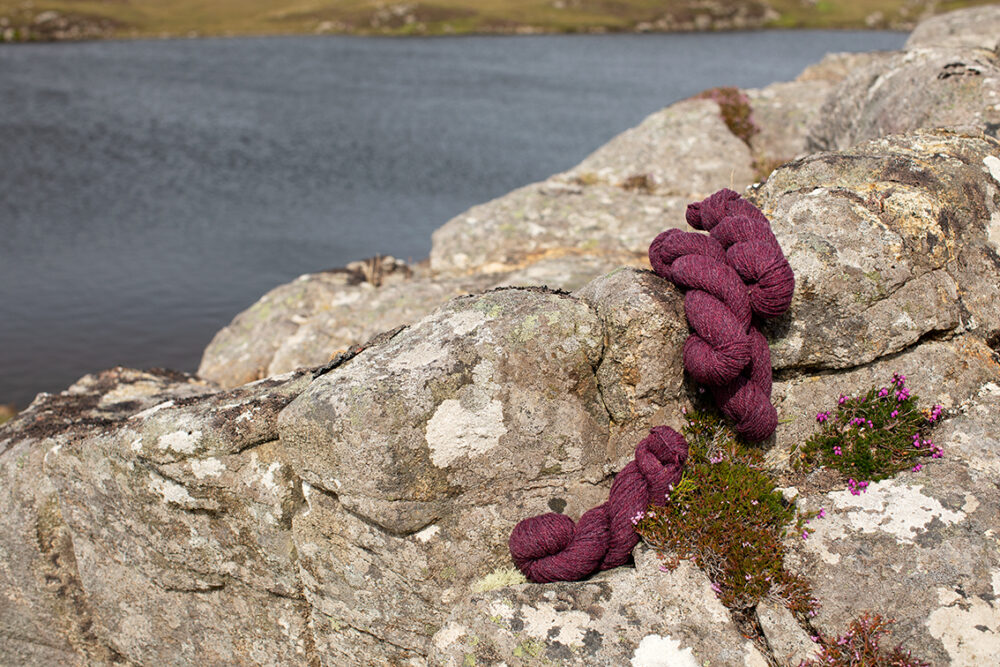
{"x":52,"y":20}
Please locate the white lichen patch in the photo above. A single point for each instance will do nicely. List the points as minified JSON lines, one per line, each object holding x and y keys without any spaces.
{"x":449,"y":634}
{"x":170,"y":491}
{"x":569,"y":626}
{"x":156,"y":408}
{"x":894,"y":508}
{"x":267,"y":479}
{"x":660,"y":651}
{"x":182,"y":442}
{"x":466,"y":321}
{"x":455,"y":431}
{"x":210,"y":467}
{"x":968,"y":627}
{"x":427,"y":533}
{"x":418,"y":356}
{"x":136,"y":445}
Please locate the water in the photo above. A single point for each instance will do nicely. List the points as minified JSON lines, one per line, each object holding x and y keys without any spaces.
{"x":149,"y":191}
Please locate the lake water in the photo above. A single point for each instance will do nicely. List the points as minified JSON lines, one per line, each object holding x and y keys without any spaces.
{"x":149,"y":191}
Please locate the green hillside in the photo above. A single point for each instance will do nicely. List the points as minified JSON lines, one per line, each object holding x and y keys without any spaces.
{"x":22,"y":20}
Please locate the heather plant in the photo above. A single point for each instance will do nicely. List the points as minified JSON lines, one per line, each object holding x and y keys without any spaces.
{"x":859,"y":647}
{"x":726,"y":515}
{"x":734,"y":106}
{"x":872,"y":437}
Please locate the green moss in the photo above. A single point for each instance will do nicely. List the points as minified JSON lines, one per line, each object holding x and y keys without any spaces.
{"x":727,"y":516}
{"x":871,"y":437}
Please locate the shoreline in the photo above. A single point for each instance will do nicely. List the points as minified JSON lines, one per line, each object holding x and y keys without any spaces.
{"x":46,"y":22}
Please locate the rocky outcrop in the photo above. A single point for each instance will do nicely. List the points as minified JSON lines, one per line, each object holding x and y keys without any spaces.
{"x":974,"y":27}
{"x":357,"y":512}
{"x":925,"y":87}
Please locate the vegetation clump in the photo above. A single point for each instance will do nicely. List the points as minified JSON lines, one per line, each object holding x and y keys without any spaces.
{"x":727,"y":516}
{"x":859,"y":647}
{"x":872,"y":437}
{"x":734,"y":106}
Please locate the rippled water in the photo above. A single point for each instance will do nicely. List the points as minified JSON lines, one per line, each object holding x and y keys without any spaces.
{"x":149,"y":191}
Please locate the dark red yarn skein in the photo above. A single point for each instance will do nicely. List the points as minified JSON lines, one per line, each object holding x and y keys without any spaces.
{"x":733,"y":277}
{"x":549,"y":547}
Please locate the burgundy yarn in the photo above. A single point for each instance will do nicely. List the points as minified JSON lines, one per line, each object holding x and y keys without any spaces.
{"x":734,"y":277}
{"x":549,"y":547}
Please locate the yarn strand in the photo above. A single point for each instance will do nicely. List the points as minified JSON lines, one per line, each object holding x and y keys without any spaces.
{"x":734,"y":277}
{"x":549,"y":547}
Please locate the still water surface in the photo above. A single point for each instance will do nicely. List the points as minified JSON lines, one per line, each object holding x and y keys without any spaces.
{"x":149,"y":191}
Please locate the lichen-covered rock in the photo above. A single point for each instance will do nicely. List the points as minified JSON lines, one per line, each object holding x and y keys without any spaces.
{"x":890,"y":241}
{"x":923,"y":88}
{"x":180,"y":518}
{"x":639,"y":375}
{"x":972,"y":27}
{"x":643,"y":617}
{"x":921,"y":548}
{"x":425,"y":450}
{"x":684,"y":150}
{"x":553,"y":218}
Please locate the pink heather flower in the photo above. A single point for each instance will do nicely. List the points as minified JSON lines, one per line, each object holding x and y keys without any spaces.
{"x":917,"y":468}
{"x":836,"y":450}
{"x":822,"y":513}
{"x":805,"y":535}
{"x":664,"y":568}
{"x":842,"y":400}
{"x":883,"y":392}
{"x":753,"y":502}
{"x":898,"y":380}
{"x":684,"y":411}
{"x":894,"y":413}
{"x":716,"y":588}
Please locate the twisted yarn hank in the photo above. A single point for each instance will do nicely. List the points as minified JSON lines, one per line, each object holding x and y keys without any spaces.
{"x":549,"y":547}
{"x":734,"y":277}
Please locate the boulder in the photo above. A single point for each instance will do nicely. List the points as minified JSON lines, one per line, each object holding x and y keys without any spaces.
{"x":920,"y":547}
{"x":640,"y":616}
{"x":971,"y":27}
{"x":922,"y":88}
{"x":892,"y":241}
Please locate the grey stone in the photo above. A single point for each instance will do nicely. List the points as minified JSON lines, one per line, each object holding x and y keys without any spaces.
{"x":642,"y":616}
{"x":788,"y":642}
{"x":891,"y":241}
{"x":922,"y":88}
{"x":971,"y":27}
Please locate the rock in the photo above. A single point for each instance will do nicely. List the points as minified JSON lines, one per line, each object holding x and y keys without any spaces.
{"x":923,"y":88}
{"x":310,"y":321}
{"x":972,"y":27}
{"x":892,"y":241}
{"x":640,"y":616}
{"x":553,"y":218}
{"x":945,"y":372}
{"x":788,"y":642}
{"x":418,"y":488}
{"x":639,"y":375}
{"x":920,"y":548}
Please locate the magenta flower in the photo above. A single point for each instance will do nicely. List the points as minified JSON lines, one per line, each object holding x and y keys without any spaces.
{"x":822,"y":513}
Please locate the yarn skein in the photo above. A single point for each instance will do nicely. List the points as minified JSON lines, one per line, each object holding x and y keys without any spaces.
{"x":734,"y":277}
{"x":549,"y":547}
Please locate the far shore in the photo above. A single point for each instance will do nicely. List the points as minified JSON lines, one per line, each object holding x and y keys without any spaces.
{"x":75,"y":20}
